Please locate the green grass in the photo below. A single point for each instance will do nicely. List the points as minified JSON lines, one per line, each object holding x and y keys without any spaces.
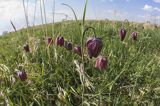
{"x":132,"y":76}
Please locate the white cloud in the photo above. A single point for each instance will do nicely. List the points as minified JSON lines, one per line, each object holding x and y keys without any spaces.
{"x":13,"y":10}
{"x":103,"y":0}
{"x":115,"y":14}
{"x":157,"y":1}
{"x":107,"y":0}
{"x":150,"y":8}
{"x":147,"y":7}
{"x":113,"y":0}
{"x":128,"y":0}
{"x":154,"y":19}
{"x":156,"y":8}
{"x":9,"y":9}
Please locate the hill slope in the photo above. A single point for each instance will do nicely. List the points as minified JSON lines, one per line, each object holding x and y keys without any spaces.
{"x":131,"y":77}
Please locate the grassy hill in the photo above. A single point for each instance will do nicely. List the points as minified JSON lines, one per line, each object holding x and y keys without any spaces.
{"x":132,"y":76}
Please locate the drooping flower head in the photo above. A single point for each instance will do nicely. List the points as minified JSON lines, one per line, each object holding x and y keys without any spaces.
{"x":122,"y":33}
{"x":68,"y":45}
{"x":22,"y":75}
{"x":50,"y":41}
{"x":134,"y":35}
{"x":94,"y":46}
{"x":77,"y":50}
{"x":59,"y":41}
{"x":26,"y":48}
{"x":101,"y":63}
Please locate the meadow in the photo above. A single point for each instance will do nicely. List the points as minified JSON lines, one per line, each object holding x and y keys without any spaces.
{"x":57,"y":75}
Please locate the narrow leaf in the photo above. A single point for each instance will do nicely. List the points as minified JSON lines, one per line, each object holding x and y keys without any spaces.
{"x":72,"y":10}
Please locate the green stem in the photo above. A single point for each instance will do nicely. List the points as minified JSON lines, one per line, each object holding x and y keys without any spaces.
{"x":82,"y":40}
{"x":53,"y":18}
{"x":72,"y":10}
{"x":34,"y":16}
{"x":42,"y":17}
{"x":45,"y":19}
{"x":82,"y":45}
{"x":26,"y":17}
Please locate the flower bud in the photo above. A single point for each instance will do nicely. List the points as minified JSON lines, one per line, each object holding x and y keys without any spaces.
{"x":134,"y":35}
{"x":22,"y":75}
{"x":101,"y":63}
{"x":50,"y":41}
{"x":68,"y":45}
{"x":77,"y":50}
{"x":94,"y":46}
{"x":59,"y":41}
{"x":26,"y":48}
{"x":122,"y":33}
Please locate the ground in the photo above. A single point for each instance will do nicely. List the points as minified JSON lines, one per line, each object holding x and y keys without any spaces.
{"x":131,"y":76}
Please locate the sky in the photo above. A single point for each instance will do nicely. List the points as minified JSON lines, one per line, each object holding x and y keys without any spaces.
{"x":133,"y":10}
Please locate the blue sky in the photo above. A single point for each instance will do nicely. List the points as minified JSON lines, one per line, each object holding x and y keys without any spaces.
{"x":133,"y":10}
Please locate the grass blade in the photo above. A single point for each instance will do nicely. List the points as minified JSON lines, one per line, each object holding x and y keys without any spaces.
{"x":13,"y":26}
{"x":84,"y":13}
{"x":72,"y":10}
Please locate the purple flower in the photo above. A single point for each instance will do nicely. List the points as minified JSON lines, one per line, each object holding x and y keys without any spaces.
{"x":94,"y":46}
{"x":134,"y":35}
{"x":50,"y":41}
{"x":68,"y":45}
{"x":101,"y":63}
{"x":77,"y":50}
{"x":122,"y":33}
{"x":26,"y":48}
{"x":59,"y":41}
{"x":22,"y":75}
